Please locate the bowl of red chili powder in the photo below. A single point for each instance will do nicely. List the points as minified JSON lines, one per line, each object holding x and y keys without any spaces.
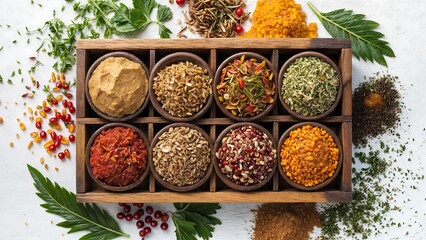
{"x":117,"y":157}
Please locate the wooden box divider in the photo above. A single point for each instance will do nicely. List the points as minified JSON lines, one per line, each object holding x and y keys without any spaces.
{"x":214,"y":51}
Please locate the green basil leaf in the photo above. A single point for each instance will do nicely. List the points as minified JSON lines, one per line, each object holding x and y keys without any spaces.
{"x":164,"y":13}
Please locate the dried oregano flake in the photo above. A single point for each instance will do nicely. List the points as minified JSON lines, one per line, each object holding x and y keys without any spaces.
{"x":310,"y":86}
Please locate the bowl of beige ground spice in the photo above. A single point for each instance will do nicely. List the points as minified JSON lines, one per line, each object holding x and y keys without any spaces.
{"x":310,"y":156}
{"x":309,"y":85}
{"x":180,"y":157}
{"x":181,"y":87}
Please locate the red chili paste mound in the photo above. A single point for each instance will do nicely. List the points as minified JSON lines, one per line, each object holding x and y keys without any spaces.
{"x":118,"y":156}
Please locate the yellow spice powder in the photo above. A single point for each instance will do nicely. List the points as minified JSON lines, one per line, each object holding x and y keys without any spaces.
{"x":280,"y":19}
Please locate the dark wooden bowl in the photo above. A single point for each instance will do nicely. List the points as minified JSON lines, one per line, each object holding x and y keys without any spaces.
{"x":328,"y":180}
{"x":92,"y":68}
{"x":225,"y":178}
{"x":167,"y":61}
{"x":280,"y":85}
{"x":216,"y":81}
{"x":87,"y":156}
{"x":172,"y":186}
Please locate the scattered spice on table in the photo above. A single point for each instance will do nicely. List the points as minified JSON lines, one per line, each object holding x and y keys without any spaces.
{"x":181,"y":156}
{"x":310,"y":86}
{"x":276,"y":221}
{"x":309,"y":156}
{"x":118,"y":156}
{"x":217,"y":18}
{"x":376,"y":108}
{"x":246,"y":87}
{"x":246,"y":156}
{"x":280,"y":19}
{"x":182,"y":89}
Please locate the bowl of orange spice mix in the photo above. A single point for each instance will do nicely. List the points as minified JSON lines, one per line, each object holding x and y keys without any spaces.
{"x":310,"y":156}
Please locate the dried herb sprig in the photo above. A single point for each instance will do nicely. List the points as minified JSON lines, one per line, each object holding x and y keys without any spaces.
{"x":215,"y":18}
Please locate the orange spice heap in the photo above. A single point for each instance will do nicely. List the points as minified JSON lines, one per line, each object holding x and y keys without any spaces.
{"x":374,"y":100}
{"x":309,"y":156}
{"x":280,"y":19}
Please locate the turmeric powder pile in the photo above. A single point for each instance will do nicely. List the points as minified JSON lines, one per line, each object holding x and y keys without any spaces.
{"x":280,"y":19}
{"x":309,"y":156}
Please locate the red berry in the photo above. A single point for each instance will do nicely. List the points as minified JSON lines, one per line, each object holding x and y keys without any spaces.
{"x":65,"y":86}
{"x":154,"y":223}
{"x":165,"y":217}
{"x":147,"y":230}
{"x":180,"y":2}
{"x":54,"y":102}
{"x":127,"y":208}
{"x":43,"y":134}
{"x":141,"y":212}
{"x":58,"y":115}
{"x":140,"y":224}
{"x":148,"y":219}
{"x":38,"y":125}
{"x":129,"y":217}
{"x":57,"y":143}
{"x":139,"y":205}
{"x":70,"y":104}
{"x":68,"y":95}
{"x":72,"y":109}
{"x":137,"y":216}
{"x":53,"y":135}
{"x":122,"y":204}
{"x":53,"y":120}
{"x":120,"y":215}
{"x":149,"y":210}
{"x":71,"y":138}
{"x":59,"y":137}
{"x":61,"y":155}
{"x":239,"y":29}
{"x":47,"y":109}
{"x":58,"y":84}
{"x":64,"y":103}
{"x":52,"y":148}
{"x":142,"y":233}
{"x":239,"y":11}
{"x":164,"y":226}
{"x":157,"y":214}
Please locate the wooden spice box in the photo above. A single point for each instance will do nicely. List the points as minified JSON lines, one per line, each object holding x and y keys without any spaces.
{"x":214,"y":51}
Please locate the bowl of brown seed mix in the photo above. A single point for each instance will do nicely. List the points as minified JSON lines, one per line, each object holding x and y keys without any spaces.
{"x":245,"y":86}
{"x":117,"y":86}
{"x":180,"y":157}
{"x":245,"y":156}
{"x":181,"y":87}
{"x":310,"y":86}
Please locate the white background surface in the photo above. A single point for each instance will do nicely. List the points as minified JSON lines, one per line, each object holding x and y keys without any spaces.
{"x":402,"y":22}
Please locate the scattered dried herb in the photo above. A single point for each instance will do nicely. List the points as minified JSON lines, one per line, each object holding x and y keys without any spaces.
{"x":367,"y":44}
{"x":280,"y":19}
{"x":310,"y":86}
{"x":376,"y":108}
{"x":216,"y":18}
{"x":246,"y":87}
{"x":275,"y":221}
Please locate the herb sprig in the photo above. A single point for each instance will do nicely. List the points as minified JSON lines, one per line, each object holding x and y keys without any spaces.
{"x":78,"y":216}
{"x":193,"y":219}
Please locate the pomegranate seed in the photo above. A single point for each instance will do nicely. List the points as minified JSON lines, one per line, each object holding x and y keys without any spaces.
{"x":137,"y":216}
{"x":67,"y":118}
{"x":47,"y":109}
{"x":127,"y":208}
{"x":53,"y":135}
{"x":149,"y":210}
{"x":154,"y":223}
{"x":72,"y":109}
{"x":59,"y":137}
{"x":65,"y":86}
{"x":53,"y":120}
{"x":140,"y":224}
{"x":142,"y":233}
{"x":58,"y":84}
{"x":54,"y":102}
{"x":148,"y":219}
{"x":129,"y":217}
{"x":120,"y":215}
{"x":52,"y":148}
{"x":57,"y":143}
{"x":165,"y":217}
{"x":68,"y":95}
{"x":157,"y":214}
{"x":71,"y":138}
{"x":43,"y":134}
{"x":147,"y":230}
{"x":58,"y":115}
{"x":141,"y":212}
{"x":164,"y":226}
{"x":61,"y":155}
{"x":70,"y":104}
{"x":64,"y":103}
{"x":38,"y":125}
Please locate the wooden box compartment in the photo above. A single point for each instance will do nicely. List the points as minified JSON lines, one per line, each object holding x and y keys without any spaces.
{"x":214,"y":51}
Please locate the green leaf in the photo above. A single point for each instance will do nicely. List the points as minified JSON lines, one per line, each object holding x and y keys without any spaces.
{"x":366,"y":42}
{"x":164,"y":31}
{"x":78,"y":216}
{"x":139,"y":19}
{"x":146,"y":6}
{"x":185,"y":230}
{"x":123,"y":20}
{"x":164,"y":13}
{"x":203,"y":225}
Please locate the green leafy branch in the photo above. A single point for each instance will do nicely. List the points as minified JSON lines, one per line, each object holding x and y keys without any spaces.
{"x":366,"y":43}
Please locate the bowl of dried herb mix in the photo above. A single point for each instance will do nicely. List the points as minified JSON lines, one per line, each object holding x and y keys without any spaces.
{"x":181,"y":87}
{"x":180,"y":157}
{"x":310,"y":156}
{"x":310,"y":86}
{"x":245,"y":86}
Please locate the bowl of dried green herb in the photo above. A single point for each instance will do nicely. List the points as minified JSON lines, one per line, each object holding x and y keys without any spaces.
{"x":309,"y":85}
{"x":245,"y":86}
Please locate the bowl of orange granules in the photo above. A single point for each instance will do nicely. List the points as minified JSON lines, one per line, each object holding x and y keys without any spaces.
{"x":310,"y":156}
